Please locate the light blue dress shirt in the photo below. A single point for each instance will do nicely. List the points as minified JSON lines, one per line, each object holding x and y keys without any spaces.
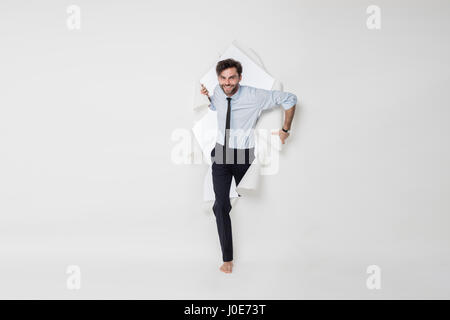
{"x":246,"y":107}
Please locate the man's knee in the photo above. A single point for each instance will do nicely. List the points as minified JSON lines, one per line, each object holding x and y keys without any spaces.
{"x":222,"y":207}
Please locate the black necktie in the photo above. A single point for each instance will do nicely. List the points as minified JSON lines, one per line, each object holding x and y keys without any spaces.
{"x":227,"y":126}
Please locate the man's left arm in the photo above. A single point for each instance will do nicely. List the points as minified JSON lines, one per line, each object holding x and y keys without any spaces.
{"x":269,"y":99}
{"x":288,"y":116}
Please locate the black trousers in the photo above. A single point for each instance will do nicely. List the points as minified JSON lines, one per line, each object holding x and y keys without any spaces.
{"x":225,"y":165}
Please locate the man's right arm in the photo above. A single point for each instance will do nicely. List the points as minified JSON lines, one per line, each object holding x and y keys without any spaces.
{"x":212,"y":100}
{"x":211,"y":105}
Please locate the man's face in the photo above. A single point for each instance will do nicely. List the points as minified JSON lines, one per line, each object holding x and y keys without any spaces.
{"x":229,"y":80}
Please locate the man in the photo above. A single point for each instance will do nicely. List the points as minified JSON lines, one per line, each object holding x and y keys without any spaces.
{"x":238,"y":109}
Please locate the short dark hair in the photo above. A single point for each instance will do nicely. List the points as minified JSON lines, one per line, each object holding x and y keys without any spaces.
{"x":228,"y":63}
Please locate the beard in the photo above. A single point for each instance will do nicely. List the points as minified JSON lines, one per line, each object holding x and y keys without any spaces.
{"x":229,"y":89}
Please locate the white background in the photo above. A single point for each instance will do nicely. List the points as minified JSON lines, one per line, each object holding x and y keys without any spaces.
{"x":86,"y":176}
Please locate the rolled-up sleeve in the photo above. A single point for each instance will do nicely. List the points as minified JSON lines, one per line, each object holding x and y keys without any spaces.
{"x":268,"y":99}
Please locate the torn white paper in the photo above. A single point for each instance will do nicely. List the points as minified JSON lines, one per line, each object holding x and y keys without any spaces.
{"x":205,"y":130}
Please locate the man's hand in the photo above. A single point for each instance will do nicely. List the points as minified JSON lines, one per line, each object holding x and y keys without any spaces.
{"x":283,"y":135}
{"x":204,"y":91}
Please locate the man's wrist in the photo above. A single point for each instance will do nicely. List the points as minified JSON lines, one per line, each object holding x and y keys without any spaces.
{"x":284,"y":130}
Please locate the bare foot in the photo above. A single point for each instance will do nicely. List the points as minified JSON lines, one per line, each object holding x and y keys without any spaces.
{"x":226,"y":267}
